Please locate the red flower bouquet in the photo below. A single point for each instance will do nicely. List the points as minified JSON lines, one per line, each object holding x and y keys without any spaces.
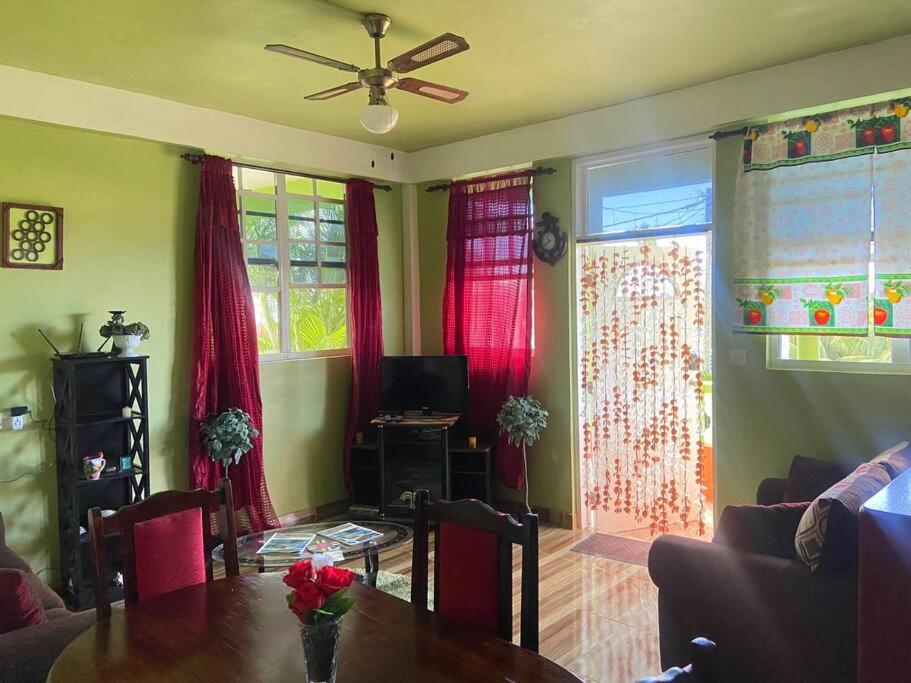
{"x":318,"y":594}
{"x":319,"y":599}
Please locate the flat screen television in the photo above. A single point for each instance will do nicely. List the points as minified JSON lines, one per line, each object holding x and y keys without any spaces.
{"x":437,"y":383}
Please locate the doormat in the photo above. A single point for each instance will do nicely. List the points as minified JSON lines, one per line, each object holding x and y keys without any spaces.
{"x":614,"y":548}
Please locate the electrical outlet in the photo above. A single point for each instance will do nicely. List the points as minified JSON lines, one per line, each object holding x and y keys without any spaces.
{"x":737,"y":357}
{"x":14,"y":419}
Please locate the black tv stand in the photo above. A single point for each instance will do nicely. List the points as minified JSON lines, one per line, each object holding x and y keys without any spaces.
{"x":425,"y":453}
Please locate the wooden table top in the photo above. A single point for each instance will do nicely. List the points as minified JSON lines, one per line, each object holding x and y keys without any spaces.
{"x":240,"y":629}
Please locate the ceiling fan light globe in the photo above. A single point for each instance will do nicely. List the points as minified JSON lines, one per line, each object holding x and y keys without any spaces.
{"x":379,"y":118}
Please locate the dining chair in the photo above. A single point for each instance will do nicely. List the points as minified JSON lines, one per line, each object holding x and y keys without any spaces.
{"x":472,"y":565}
{"x":163,"y":544}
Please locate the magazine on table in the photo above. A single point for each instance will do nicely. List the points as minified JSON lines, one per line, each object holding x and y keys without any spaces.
{"x":326,"y":546}
{"x":286,"y":543}
{"x":350,"y":534}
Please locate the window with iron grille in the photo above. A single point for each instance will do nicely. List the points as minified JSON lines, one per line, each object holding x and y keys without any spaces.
{"x":295,"y":246}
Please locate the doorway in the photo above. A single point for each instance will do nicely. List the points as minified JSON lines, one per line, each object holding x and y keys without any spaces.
{"x":643,"y":334}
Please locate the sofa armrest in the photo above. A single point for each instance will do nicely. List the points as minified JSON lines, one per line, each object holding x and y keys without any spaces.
{"x":771,"y":618}
{"x":27,"y":654}
{"x":770,"y":491}
{"x":763,"y":529}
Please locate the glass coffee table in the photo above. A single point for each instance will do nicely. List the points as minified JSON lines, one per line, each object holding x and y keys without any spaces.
{"x":393,"y":536}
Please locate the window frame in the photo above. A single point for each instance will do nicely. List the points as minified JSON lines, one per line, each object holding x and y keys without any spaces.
{"x":284,"y":242}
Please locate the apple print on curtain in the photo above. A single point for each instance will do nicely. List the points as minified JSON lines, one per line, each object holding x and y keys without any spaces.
{"x":803,"y":222}
{"x":802,"y":227}
{"x":644,"y":341}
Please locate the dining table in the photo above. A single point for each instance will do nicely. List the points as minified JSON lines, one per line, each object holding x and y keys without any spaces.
{"x":240,"y":629}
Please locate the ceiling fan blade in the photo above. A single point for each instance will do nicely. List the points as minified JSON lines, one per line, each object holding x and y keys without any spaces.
{"x":334,"y":92}
{"x":312,"y":57}
{"x":435,"y":91}
{"x":432,"y":51}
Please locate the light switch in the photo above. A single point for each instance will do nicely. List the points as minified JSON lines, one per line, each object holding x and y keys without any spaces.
{"x":737,"y":357}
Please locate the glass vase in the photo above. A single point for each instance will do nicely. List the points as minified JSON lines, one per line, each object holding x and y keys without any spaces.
{"x":322,"y":642}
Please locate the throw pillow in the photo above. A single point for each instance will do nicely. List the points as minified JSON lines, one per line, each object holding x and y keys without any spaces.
{"x":808,"y":477}
{"x":896,"y":459}
{"x":18,"y":608}
{"x":763,"y":529}
{"x":826,"y":538}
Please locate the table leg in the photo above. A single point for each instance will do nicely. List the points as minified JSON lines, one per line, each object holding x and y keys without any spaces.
{"x":447,"y":466}
{"x":371,"y":567}
{"x":381,"y":468}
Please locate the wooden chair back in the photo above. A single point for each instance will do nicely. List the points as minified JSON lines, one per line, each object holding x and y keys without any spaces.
{"x":478,"y":516}
{"x":158,"y":505}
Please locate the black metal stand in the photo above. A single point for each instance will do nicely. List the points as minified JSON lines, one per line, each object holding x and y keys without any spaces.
{"x":90,"y":395}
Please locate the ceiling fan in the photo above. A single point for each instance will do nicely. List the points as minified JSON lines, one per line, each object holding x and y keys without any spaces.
{"x":378,"y":116}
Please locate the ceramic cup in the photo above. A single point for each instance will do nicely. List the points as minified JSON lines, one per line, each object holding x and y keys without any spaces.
{"x":92,"y":466}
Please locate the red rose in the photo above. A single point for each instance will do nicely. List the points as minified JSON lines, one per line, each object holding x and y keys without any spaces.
{"x":305,"y":598}
{"x":332,"y":580}
{"x":298,"y":573}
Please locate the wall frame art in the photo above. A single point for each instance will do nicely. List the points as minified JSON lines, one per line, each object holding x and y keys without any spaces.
{"x":32,"y":236}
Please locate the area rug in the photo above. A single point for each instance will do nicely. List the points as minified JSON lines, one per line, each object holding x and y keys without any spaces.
{"x":614,"y":548}
{"x":397,"y":585}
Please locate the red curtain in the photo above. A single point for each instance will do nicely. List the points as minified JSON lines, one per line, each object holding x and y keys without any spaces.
{"x":487,"y":302}
{"x":365,"y":311}
{"x":225,"y":371}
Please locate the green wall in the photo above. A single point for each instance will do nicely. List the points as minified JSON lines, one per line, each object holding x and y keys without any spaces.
{"x":130,"y":209}
{"x":762,"y":417}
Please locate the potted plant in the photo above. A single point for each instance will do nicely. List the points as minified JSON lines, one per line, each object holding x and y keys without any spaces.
{"x":522,"y":418}
{"x":228,"y":436}
{"x":319,"y":599}
{"x":126,"y":336}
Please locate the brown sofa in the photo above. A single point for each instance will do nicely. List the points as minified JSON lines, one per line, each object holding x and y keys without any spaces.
{"x":772,"y":619}
{"x":26,"y":655}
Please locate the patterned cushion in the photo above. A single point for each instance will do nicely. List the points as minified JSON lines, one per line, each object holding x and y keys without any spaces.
{"x":18,"y":608}
{"x":826,"y":538}
{"x":169,"y":553}
{"x":896,"y":459}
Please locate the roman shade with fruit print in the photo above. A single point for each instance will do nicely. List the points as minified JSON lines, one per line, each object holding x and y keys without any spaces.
{"x":804,"y":224}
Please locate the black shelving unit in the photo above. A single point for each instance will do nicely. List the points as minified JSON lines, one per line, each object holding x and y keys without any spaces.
{"x":90,"y":395}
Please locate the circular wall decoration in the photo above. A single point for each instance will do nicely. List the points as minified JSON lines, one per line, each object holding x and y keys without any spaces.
{"x":32,"y":236}
{"x":549,"y":240}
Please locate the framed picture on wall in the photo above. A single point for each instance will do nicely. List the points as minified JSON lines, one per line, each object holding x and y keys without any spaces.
{"x":32,"y":236}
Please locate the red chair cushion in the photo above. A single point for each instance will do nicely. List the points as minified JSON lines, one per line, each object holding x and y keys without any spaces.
{"x":468,"y":577}
{"x":18,"y":607}
{"x":169,"y":553}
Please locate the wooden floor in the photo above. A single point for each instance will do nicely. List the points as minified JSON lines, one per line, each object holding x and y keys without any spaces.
{"x":598,"y":617}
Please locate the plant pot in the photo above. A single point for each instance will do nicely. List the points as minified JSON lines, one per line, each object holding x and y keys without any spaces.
{"x":127,"y":344}
{"x":322,"y":643}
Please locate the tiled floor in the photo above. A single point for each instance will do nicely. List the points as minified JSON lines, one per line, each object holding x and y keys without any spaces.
{"x":598,"y":617}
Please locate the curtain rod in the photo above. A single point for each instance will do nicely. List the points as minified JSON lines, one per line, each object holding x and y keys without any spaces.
{"x":530,"y":173}
{"x":197,"y":159}
{"x":722,"y":134}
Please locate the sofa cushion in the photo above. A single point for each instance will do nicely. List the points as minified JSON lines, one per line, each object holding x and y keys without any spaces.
{"x":808,"y":477}
{"x":764,"y":529}
{"x":43,"y":594}
{"x":826,"y":538}
{"x":18,"y":608}
{"x":896,"y":459}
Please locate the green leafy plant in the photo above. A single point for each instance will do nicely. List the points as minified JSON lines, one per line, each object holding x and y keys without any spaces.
{"x":228,"y":436}
{"x":522,"y":418}
{"x":115,"y":329}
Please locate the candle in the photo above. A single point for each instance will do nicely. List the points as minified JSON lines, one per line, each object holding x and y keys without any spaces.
{"x":472,"y":442}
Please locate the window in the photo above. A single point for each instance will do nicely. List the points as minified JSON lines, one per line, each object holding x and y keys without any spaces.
{"x":296,"y":251}
{"x":871,"y":354}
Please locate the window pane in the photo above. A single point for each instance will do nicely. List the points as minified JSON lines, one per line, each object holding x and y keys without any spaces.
{"x":302,"y":230}
{"x":301,"y":208}
{"x":262,"y":275}
{"x":333,"y":254}
{"x":260,"y":221}
{"x":303,"y":251}
{"x":331,"y":231}
{"x":263,"y":251}
{"x":298,"y":185}
{"x":835,"y":348}
{"x":257,"y":181}
{"x":303,"y":275}
{"x":330,"y":190}
{"x":653,"y":192}
{"x":334,"y":276}
{"x":318,"y":319}
{"x":332,"y":212}
{"x":267,"y":321}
